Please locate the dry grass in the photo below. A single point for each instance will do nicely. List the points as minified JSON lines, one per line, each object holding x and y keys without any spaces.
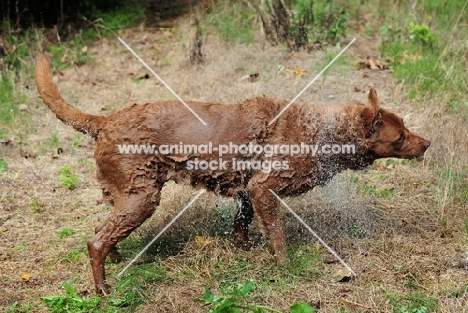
{"x":405,"y":248}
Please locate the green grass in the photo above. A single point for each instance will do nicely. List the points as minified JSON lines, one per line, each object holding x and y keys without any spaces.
{"x":234,"y":24}
{"x":427,"y":51}
{"x":8,"y":109}
{"x":3,"y":165}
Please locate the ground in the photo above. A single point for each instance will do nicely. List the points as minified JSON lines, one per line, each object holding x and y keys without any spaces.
{"x":395,"y":243}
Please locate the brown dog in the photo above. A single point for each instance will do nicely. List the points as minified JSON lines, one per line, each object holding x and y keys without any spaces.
{"x":354,"y":135}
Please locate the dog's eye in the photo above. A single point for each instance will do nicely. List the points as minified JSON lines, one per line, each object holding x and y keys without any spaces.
{"x":401,"y":138}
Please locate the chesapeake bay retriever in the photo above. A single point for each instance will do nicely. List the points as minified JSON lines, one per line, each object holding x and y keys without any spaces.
{"x":132,"y":182}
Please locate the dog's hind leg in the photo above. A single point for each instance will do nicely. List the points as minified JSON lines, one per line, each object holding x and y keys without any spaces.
{"x":130,"y":211}
{"x":242,"y":220}
{"x":266,"y":208}
{"x":114,"y":254}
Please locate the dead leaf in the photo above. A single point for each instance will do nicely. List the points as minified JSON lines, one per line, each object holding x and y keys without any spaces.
{"x":342,"y":276}
{"x":409,"y":57}
{"x":201,"y":242}
{"x":299,"y":72}
{"x":372,"y":65}
{"x":254,"y":77}
{"x":27,"y":154}
{"x":23,"y":107}
{"x":25,"y":277}
{"x":357,"y":89}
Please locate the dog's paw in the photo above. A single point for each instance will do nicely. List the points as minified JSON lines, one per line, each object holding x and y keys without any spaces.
{"x":246,"y":245}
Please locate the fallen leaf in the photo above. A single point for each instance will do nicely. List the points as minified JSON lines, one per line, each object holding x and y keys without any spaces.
{"x":23,"y":107}
{"x":25,"y":277}
{"x":253,"y":77}
{"x":409,"y":57}
{"x":357,"y":89}
{"x":300,"y":72}
{"x":342,"y":276}
{"x":372,"y":65}
{"x":201,"y":242}
{"x":27,"y":154}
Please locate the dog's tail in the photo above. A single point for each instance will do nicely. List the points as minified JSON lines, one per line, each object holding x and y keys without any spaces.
{"x":48,"y":92}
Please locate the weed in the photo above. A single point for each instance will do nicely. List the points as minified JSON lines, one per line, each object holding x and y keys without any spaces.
{"x":53,"y":141}
{"x":71,"y":302}
{"x":72,"y":257}
{"x":18,"y":308}
{"x":356,"y":231}
{"x":413,"y":303}
{"x":35,"y":206}
{"x":3,"y":165}
{"x":77,"y":140}
{"x":371,"y":190}
{"x":18,"y":248}
{"x":421,"y":33}
{"x":67,"y":178}
{"x":304,"y":261}
{"x":65,"y":232}
{"x":234,"y":299}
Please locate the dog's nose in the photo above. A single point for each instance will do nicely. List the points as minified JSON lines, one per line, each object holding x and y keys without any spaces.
{"x":427,"y":143}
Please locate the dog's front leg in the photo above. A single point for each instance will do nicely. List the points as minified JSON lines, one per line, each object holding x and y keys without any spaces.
{"x":242,"y":220}
{"x":266,"y":208}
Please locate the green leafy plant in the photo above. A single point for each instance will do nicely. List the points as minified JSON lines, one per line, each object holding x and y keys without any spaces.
{"x":123,"y":299}
{"x":71,"y":302}
{"x":301,"y":307}
{"x":18,"y":308}
{"x":234,"y":300}
{"x":65,"y":232}
{"x":67,"y":178}
{"x":421,"y":33}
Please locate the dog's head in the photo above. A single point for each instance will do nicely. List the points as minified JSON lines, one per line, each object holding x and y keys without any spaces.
{"x":387,"y":135}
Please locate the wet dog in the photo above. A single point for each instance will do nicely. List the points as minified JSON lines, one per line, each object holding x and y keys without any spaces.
{"x":307,"y":146}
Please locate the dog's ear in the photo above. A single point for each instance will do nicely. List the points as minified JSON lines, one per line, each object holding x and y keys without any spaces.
{"x":373,"y":101}
{"x":370,"y":114}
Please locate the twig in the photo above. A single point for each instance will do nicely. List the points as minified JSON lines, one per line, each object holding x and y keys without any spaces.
{"x":355,"y":303}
